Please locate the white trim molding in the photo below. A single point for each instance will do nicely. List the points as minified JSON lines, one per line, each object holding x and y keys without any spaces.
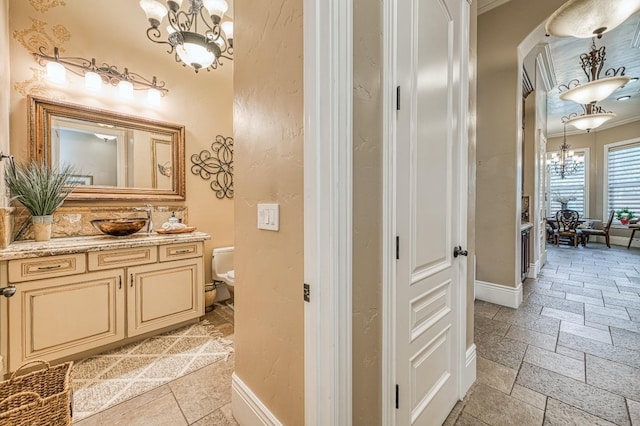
{"x":328,"y":184}
{"x":499,"y":294}
{"x":468,"y":376}
{"x":534,"y":269}
{"x":247,"y":407}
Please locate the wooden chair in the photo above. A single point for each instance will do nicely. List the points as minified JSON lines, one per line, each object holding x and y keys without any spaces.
{"x":567,"y":221}
{"x":602,"y":232}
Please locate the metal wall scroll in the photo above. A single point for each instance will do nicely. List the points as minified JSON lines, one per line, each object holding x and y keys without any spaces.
{"x":217,"y":164}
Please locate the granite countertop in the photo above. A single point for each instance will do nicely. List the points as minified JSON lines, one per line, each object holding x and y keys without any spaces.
{"x":69,"y":245}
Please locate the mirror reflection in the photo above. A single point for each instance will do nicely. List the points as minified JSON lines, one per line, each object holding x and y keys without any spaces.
{"x":116,"y":156}
{"x":111,"y":155}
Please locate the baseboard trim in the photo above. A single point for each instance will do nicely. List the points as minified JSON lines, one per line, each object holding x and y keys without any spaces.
{"x":534,"y":269}
{"x":469,"y":373}
{"x":247,"y":408}
{"x":499,"y":294}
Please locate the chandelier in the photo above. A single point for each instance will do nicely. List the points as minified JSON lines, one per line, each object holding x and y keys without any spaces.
{"x":566,"y":162}
{"x":594,"y":116}
{"x":589,"y":18}
{"x":196,"y":35}
{"x":596,"y":88}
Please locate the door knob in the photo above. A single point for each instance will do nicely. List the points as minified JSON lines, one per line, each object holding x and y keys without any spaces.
{"x":457,"y":251}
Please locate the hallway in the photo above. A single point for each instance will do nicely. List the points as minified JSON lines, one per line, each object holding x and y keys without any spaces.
{"x":570,"y":355}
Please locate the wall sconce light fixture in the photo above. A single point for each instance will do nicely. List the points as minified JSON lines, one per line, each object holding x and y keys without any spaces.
{"x":97,"y":75}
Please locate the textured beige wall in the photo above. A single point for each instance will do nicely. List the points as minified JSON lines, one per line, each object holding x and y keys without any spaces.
{"x":202,"y":102}
{"x":5,"y":84}
{"x":595,"y":141}
{"x":498,"y":121}
{"x":367,"y":212}
{"x":268,"y":122}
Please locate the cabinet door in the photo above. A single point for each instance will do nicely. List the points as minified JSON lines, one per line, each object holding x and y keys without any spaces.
{"x":164,"y":294}
{"x":51,"y":319}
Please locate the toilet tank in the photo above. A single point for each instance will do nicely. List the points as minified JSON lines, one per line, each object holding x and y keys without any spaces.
{"x":222,"y":261}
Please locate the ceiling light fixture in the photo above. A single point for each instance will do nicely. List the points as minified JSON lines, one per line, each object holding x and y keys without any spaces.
{"x":589,"y":18}
{"x":596,"y":88}
{"x":594,"y":116}
{"x":624,"y":98}
{"x":93,"y":74}
{"x":566,"y":162}
{"x":199,"y":50}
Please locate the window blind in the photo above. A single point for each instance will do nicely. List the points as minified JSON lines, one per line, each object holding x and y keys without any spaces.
{"x":572,"y":185}
{"x":623,"y":177}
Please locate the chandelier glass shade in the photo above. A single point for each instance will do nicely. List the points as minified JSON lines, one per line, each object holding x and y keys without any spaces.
{"x":196,"y":35}
{"x":565,"y":162}
{"x":596,"y":88}
{"x":589,"y":18}
{"x":594,"y":116}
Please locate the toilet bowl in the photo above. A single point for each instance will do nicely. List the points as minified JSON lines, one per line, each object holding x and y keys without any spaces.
{"x":222,"y":268}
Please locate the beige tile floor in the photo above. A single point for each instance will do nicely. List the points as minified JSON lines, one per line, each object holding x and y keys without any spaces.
{"x":570,"y":355}
{"x":200,"y":398}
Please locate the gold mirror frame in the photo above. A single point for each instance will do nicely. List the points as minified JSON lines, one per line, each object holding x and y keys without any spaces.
{"x":41,"y":112}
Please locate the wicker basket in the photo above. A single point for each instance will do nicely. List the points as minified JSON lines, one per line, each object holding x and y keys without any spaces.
{"x":39,"y":398}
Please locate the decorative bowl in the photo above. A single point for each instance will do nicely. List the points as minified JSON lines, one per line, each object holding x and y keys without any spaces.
{"x":119,"y":227}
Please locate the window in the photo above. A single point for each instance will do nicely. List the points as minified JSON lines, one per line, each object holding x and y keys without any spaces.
{"x":622,"y":184}
{"x":573,"y":185}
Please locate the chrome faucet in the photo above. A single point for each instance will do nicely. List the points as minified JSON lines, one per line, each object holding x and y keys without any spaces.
{"x":147,"y":209}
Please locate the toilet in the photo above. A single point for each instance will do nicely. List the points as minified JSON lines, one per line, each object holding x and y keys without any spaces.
{"x":222,"y":269}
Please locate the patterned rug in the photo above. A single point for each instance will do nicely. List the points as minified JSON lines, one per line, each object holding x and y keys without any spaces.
{"x":104,"y":380}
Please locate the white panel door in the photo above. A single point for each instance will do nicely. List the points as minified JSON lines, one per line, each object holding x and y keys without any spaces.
{"x":429,"y":135}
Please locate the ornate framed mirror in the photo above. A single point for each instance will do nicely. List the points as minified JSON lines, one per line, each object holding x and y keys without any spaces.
{"x":116,"y":156}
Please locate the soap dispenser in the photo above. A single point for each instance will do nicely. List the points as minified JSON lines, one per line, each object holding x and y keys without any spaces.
{"x":173,"y":219}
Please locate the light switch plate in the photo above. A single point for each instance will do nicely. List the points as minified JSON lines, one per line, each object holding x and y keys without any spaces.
{"x":269,"y":217}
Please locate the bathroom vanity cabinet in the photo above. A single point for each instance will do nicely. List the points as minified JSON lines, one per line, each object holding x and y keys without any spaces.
{"x":96,"y":292}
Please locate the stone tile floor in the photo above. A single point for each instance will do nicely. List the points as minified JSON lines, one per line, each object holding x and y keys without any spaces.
{"x":570,"y":354}
{"x":200,"y":398}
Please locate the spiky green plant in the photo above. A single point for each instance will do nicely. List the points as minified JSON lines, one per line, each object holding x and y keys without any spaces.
{"x":39,"y":187}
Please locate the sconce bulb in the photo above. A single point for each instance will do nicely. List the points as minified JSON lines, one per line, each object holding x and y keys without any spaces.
{"x":92,"y":81}
{"x":56,"y":73}
{"x":153,"y":96}
{"x":125,"y":89}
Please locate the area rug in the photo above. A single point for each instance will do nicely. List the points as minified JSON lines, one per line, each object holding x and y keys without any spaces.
{"x":102,"y":381}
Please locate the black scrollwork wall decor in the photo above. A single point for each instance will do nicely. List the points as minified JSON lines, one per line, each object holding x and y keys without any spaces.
{"x":217,"y":164}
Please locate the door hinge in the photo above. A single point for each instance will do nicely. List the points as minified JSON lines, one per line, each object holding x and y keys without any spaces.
{"x":397,"y":397}
{"x":307,"y":293}
{"x":398,"y":98}
{"x":397,"y":247}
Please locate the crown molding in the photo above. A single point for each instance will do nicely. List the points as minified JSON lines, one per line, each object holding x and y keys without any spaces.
{"x":487,"y":5}
{"x":545,"y":66}
{"x":635,"y":41}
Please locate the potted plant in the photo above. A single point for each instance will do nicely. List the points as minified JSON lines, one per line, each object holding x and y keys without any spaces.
{"x":41,"y":189}
{"x":624,"y":215}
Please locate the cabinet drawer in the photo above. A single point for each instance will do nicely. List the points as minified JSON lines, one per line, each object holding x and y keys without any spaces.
{"x":180,"y":251}
{"x":109,"y":259}
{"x":46,"y":267}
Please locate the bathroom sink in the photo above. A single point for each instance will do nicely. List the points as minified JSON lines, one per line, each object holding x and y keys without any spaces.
{"x":119,"y":227}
